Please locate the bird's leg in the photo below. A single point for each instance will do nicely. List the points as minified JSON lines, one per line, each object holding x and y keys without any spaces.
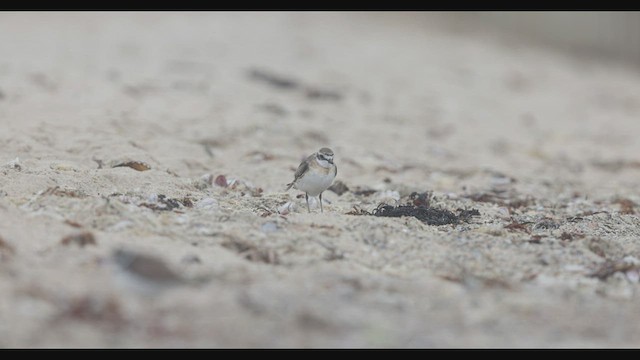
{"x":321,"y":203}
{"x":306,"y":196}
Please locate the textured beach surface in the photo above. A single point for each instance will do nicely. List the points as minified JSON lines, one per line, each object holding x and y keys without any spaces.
{"x":144,"y":158}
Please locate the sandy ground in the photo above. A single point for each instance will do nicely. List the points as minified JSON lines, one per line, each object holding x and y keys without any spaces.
{"x":542,"y":144}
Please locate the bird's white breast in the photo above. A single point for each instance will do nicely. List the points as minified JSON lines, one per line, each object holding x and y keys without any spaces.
{"x":314,"y":182}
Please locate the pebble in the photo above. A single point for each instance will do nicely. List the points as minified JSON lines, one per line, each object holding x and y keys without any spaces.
{"x":286,"y":208}
{"x":14,"y":164}
{"x":631,"y":260}
{"x":204,"y":182}
{"x":633,"y":276}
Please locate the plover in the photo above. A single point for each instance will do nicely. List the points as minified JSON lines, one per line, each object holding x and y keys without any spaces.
{"x":315,"y":174}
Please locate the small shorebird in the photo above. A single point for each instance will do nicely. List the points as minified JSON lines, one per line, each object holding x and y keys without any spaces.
{"x":315,"y":174}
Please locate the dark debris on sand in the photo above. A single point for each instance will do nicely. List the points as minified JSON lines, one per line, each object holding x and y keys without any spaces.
{"x":611,"y":267}
{"x":168,"y":204}
{"x":420,"y":209}
{"x":275,"y":80}
{"x":430,"y":216}
{"x":284,"y":82}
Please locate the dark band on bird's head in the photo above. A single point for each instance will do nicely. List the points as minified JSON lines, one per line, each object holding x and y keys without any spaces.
{"x":322,"y":156}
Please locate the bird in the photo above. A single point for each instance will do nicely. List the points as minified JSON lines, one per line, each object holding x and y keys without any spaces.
{"x":314,"y":175}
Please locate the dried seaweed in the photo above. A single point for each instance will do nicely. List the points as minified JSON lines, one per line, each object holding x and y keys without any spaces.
{"x":430,"y":216}
{"x":422,"y":199}
{"x":322,"y":94}
{"x":168,"y":204}
{"x":611,"y":267}
{"x":5,"y":247}
{"x":136,"y":165}
{"x":364,"y":192}
{"x":626,"y":206}
{"x":251,"y":251}
{"x":471,"y":280}
{"x":57,"y":191}
{"x":107,"y":311}
{"x":580,"y":216}
{"x":514,"y":226}
{"x":274,"y":80}
{"x":615,"y":165}
{"x":466,"y":214}
{"x":81,"y":239}
{"x":422,"y":211}
{"x":546,"y":223}
{"x":570,"y":236}
{"x":287,"y":83}
{"x":595,"y":245}
{"x":357,"y":211}
{"x":186,"y":202}
{"x":73,"y":223}
{"x":535,"y":239}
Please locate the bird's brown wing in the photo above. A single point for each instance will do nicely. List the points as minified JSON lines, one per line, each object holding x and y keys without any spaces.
{"x":302,"y":168}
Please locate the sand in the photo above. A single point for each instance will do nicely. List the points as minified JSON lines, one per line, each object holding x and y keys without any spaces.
{"x":542,"y":144}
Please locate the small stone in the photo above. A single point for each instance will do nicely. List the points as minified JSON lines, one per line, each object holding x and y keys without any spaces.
{"x":633,"y":276}
{"x":204,"y":182}
{"x":14,"y":164}
{"x":286,"y":208}
{"x":504,"y":212}
{"x":631,"y":260}
{"x":207,"y":178}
